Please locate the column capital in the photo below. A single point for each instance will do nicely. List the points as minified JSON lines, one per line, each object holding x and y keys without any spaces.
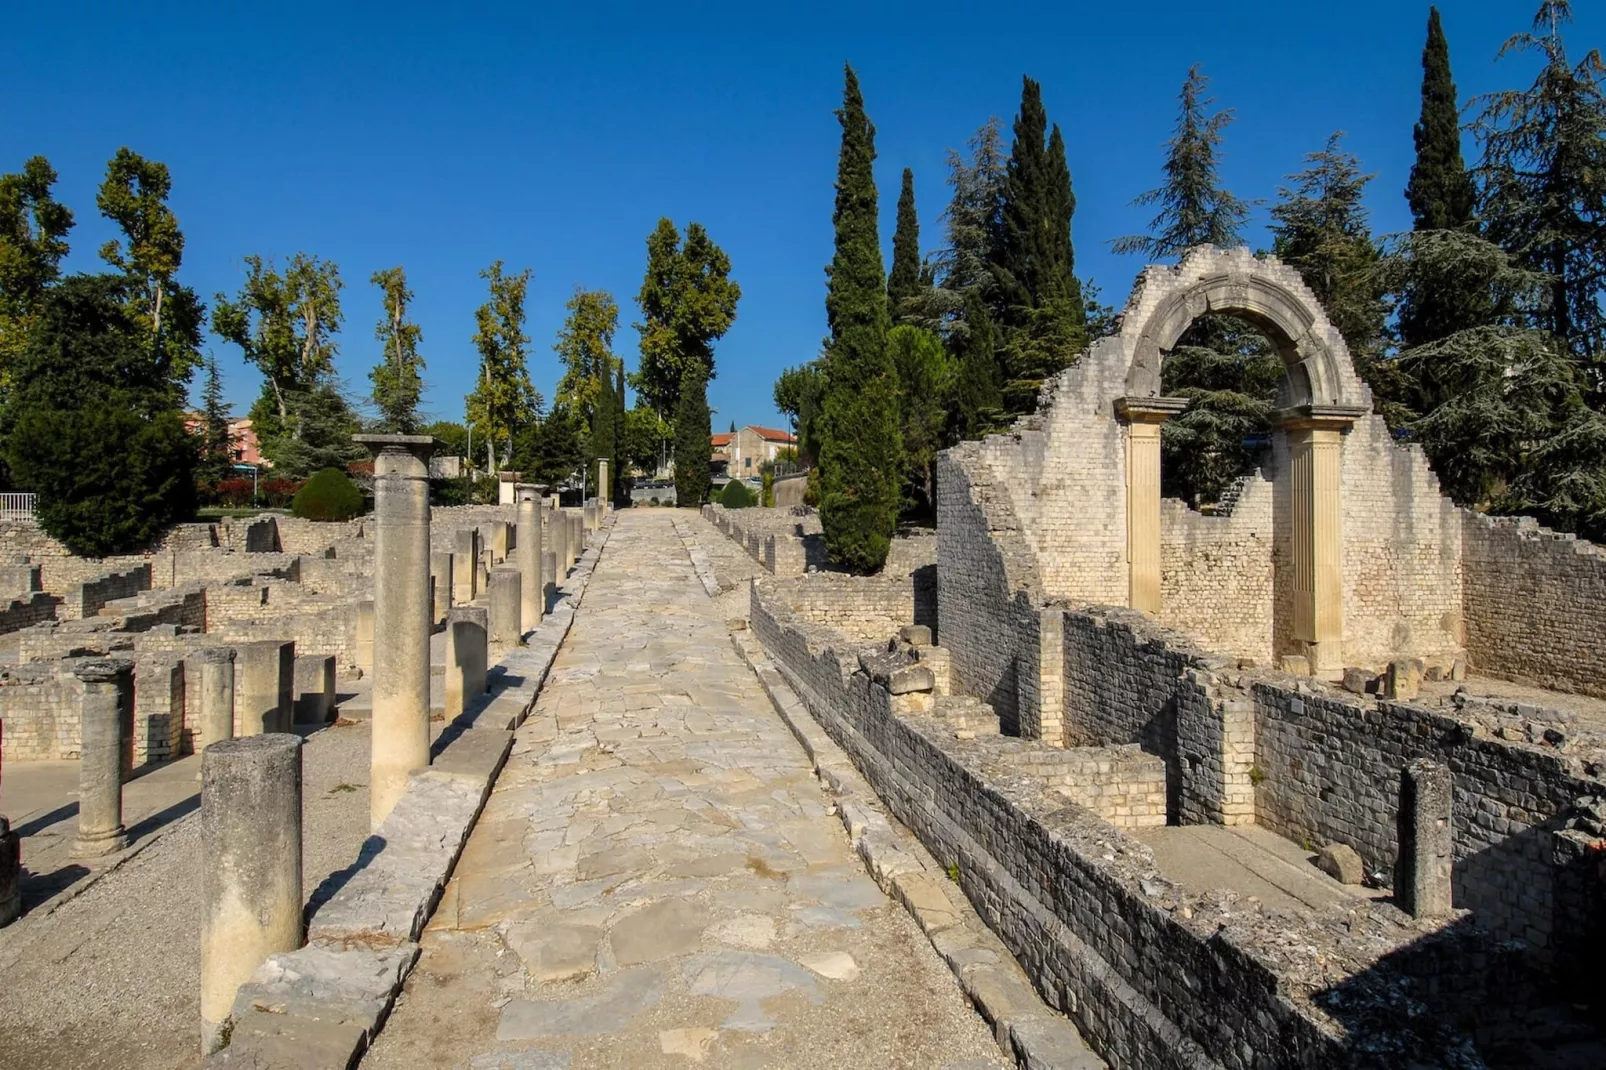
{"x":1319,"y":417}
{"x":419,"y":446}
{"x":1136,"y":410}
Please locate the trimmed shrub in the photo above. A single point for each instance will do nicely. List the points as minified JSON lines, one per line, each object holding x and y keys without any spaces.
{"x":328,"y":495}
{"x":736,"y":495}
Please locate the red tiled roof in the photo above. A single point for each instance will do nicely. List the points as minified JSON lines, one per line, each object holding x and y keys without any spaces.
{"x":770,"y":434}
{"x":720,"y":439}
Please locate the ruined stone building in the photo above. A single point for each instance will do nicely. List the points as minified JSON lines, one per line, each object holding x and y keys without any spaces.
{"x":1091,"y":676}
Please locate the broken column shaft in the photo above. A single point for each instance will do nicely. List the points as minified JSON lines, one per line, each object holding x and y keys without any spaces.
{"x":107,"y":704}
{"x":1422,"y":872}
{"x":532,"y":601}
{"x":250,"y":867}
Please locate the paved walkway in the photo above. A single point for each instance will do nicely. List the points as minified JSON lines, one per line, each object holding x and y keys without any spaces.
{"x":656,"y":881}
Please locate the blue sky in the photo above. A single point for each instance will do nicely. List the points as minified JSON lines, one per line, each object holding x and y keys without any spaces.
{"x":442,"y":137}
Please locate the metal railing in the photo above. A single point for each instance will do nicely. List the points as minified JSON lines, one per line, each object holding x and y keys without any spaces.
{"x":18,"y":506}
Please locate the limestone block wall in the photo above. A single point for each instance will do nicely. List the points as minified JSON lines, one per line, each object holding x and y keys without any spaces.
{"x":1330,"y":771}
{"x":1535,"y":604}
{"x":87,"y":598}
{"x":159,"y":709}
{"x":27,"y":610}
{"x":1122,"y":785}
{"x":40,"y":710}
{"x":1152,"y":976}
{"x":870,"y":609}
{"x":1216,"y":576}
{"x":312,"y":538}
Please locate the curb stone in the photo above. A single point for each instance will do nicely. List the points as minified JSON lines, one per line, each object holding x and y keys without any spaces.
{"x":1028,"y":1030}
{"x":322,"y":1005}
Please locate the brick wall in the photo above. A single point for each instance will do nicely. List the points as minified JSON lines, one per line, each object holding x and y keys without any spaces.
{"x":27,"y":610}
{"x":1535,"y":604}
{"x":870,"y":609}
{"x":89,"y":597}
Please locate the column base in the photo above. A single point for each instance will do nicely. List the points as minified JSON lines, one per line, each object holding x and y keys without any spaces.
{"x":1326,"y":657}
{"x":98,"y":844}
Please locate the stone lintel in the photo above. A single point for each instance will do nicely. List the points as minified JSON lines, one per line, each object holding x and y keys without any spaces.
{"x":1319,"y":417}
{"x":420,"y":446}
{"x":1136,"y":410}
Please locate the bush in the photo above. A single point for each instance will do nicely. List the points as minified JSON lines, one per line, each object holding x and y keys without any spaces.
{"x":736,"y":495}
{"x":767,"y":499}
{"x":328,"y":495}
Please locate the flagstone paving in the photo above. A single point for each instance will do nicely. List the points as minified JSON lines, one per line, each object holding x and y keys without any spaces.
{"x":656,"y":879}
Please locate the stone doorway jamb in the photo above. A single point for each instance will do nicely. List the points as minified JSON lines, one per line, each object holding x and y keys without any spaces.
{"x":1143,"y":417}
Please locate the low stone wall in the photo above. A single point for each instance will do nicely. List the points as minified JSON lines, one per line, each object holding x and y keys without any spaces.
{"x":789,"y":490}
{"x":1152,"y":975}
{"x":87,"y":598}
{"x":866,"y":608}
{"x":1535,"y":604}
{"x":27,"y":610}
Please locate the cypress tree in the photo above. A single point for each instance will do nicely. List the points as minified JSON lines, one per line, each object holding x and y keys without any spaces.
{"x":693,"y":451}
{"x":903,"y":285}
{"x":1440,"y":191}
{"x":860,"y":456}
{"x":979,"y":394}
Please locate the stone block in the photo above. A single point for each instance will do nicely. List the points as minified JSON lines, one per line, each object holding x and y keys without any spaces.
{"x":466,"y":657}
{"x":265,"y":677}
{"x":1422,"y":871}
{"x":1339,"y":861}
{"x":911,"y":679}
{"x":915,"y":634}
{"x":1296,"y":664}
{"x":1403,"y":681}
{"x":315,"y":688}
{"x":1360,"y":681}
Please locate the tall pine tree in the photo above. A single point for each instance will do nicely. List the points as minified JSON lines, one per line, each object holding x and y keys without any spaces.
{"x":217,"y":449}
{"x":860,"y":456}
{"x":903,"y":285}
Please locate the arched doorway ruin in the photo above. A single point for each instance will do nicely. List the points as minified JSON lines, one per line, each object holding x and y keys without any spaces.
{"x":1319,"y":399}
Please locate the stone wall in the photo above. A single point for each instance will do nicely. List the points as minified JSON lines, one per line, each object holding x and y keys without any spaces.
{"x":789,"y":490}
{"x":869,"y":609}
{"x":1535,"y":604}
{"x":1153,"y":976}
{"x":27,"y":610}
{"x":86,"y":599}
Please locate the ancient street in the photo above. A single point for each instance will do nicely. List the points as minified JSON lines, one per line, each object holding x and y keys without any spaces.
{"x":656,"y":873}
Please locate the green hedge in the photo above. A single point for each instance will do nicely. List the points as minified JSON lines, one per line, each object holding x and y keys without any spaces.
{"x":328,"y":495}
{"x":736,"y":495}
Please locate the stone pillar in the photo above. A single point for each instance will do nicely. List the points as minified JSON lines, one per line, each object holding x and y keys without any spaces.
{"x":505,"y":608}
{"x":315,"y":689}
{"x":549,"y":577}
{"x":1422,"y":871}
{"x":401,"y":616}
{"x":532,"y":602}
{"x":267,"y":674}
{"x":440,"y":585}
{"x":250,"y":867}
{"x":1314,"y":434}
{"x":216,"y":671}
{"x":465,"y":657}
{"x":364,"y":644}
{"x":106,"y":716}
{"x":1143,"y":417}
{"x":10,"y":874}
{"x":499,"y":538}
{"x":604,"y":490}
{"x":465,"y":561}
{"x":577,"y":526}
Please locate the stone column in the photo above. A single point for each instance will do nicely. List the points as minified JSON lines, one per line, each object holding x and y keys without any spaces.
{"x":216,"y":670}
{"x":107,"y":708}
{"x":315,"y":689}
{"x":1143,"y":417}
{"x":440,"y":583}
{"x":465,"y":562}
{"x":250,"y":867}
{"x":505,"y":608}
{"x":364,"y":642}
{"x":499,"y":537}
{"x":465,"y":658}
{"x":267,"y":672}
{"x":577,"y":524}
{"x":401,"y":616}
{"x":604,"y":490}
{"x":1424,"y":824}
{"x":532,"y":603}
{"x":549,"y":577}
{"x":1314,"y":434}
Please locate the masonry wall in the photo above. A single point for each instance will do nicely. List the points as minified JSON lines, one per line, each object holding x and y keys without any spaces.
{"x":1216,"y":577}
{"x":1152,"y":976}
{"x":27,"y":610}
{"x":869,"y":609}
{"x":1535,"y":604}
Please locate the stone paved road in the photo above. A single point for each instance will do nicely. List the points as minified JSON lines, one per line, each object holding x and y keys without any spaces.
{"x":656,"y":880}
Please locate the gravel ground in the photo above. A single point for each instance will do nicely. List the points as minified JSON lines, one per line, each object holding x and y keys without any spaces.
{"x":112,"y":978}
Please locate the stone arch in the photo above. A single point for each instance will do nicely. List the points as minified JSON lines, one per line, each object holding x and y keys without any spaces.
{"x":1266,"y":293}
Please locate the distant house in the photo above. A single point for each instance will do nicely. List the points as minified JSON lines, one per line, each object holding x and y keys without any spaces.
{"x":243,"y":445}
{"x":753,"y":447}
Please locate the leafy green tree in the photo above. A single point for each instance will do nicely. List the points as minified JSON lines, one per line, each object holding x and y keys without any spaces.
{"x":694,"y":451}
{"x":585,"y":349}
{"x":134,"y":196}
{"x":925,"y":397}
{"x":217,"y":450}
{"x":1320,"y":228}
{"x":646,"y":437}
{"x":1441,"y":191}
{"x":903,"y":284}
{"x":397,"y":383}
{"x":550,"y":451}
{"x":285,"y":326}
{"x":33,"y":240}
{"x":503,"y":399}
{"x":788,"y":394}
{"x":688,"y":301}
{"x":1543,"y":195}
{"x":324,"y":424}
{"x":452,"y":436}
{"x":860,"y":454}
{"x":1195,"y":209}
{"x":973,"y":225}
{"x":93,"y":423}
{"x":979,"y":387}
{"x":799,"y":395}
{"x":602,"y":445}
